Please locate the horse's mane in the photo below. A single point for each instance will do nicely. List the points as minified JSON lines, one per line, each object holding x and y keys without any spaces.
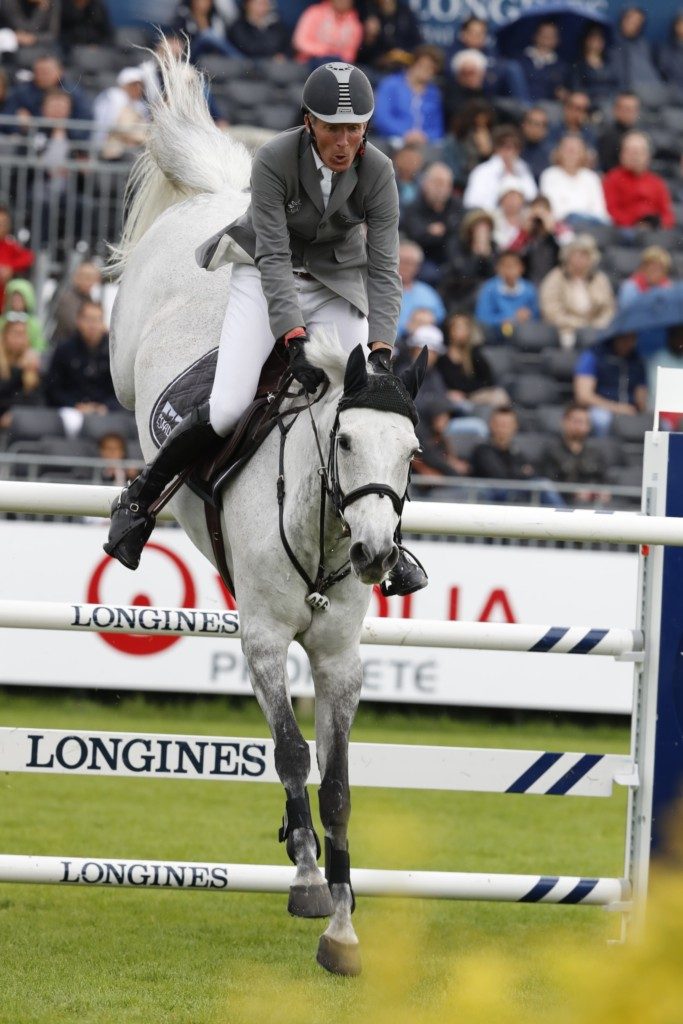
{"x":324,"y":350}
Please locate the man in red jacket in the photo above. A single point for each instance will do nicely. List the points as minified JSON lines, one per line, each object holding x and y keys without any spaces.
{"x":13,"y":257}
{"x":633,"y":193}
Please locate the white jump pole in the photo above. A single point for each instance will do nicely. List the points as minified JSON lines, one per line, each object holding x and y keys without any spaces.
{"x":210,"y":623}
{"x":529,"y":523}
{"x":116,"y":873}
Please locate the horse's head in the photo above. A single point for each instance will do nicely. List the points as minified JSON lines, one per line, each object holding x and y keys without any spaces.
{"x":373,"y":444}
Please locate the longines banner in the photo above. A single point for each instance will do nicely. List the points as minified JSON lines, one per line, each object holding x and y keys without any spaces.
{"x":65,"y":562}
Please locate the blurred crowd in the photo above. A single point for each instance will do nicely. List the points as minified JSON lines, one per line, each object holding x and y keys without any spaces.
{"x":541,"y":198}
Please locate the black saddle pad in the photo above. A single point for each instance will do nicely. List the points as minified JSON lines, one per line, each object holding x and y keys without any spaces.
{"x":189,"y":389}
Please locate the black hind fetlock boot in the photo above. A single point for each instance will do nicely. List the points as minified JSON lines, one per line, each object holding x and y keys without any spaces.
{"x":408,"y":575}
{"x":131,"y":521}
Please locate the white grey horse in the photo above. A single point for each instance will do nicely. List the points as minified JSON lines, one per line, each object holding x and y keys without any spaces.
{"x":191,"y":181}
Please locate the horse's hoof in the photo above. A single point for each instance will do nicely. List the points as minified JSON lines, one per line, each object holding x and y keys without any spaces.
{"x":339,"y":957}
{"x":310,"y":901}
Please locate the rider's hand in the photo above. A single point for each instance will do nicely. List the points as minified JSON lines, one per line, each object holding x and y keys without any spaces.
{"x":380,"y":360}
{"x":299,"y":367}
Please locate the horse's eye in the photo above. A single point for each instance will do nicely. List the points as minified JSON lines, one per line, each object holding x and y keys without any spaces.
{"x":344,"y":443}
{"x":415,"y":452}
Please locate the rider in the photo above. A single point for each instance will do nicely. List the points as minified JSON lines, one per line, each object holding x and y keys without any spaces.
{"x":318,"y":246}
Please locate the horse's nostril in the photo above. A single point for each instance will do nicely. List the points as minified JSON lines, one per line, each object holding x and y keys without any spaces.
{"x":391,"y":559}
{"x":359,"y":553}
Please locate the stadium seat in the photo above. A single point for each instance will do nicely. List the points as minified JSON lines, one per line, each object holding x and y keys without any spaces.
{"x":32,"y":423}
{"x":535,"y":336}
{"x":531,"y":446}
{"x":25,"y":56}
{"x":559,"y":364}
{"x":553,"y":110}
{"x":549,"y":418}
{"x":672,"y":116}
{"x":282,"y":73}
{"x":603,"y":234}
{"x":96,"y":426}
{"x":93,"y":59}
{"x":129,"y":36}
{"x":631,"y":428}
{"x":244,"y":93}
{"x":611,"y":449}
{"x":587,"y":336}
{"x":69,"y":448}
{"x":625,"y":476}
{"x":534,"y":390}
{"x":500,"y":358}
{"x":653,"y":95}
{"x":279,"y":116}
{"x":464,"y":444}
{"x":622,"y":260}
{"x":225,"y":69}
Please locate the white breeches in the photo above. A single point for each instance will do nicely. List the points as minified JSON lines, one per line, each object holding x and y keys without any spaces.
{"x":246,"y":339}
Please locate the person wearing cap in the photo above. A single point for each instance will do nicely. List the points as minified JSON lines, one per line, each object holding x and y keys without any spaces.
{"x":120,"y":114}
{"x":317,"y":247}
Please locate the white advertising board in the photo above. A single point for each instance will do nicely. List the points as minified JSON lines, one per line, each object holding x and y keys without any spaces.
{"x":65,"y":562}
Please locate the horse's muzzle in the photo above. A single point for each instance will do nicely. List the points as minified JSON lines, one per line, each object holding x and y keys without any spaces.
{"x":371,"y":567}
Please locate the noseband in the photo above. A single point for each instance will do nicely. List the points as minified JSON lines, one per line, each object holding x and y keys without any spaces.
{"x":330,"y":490}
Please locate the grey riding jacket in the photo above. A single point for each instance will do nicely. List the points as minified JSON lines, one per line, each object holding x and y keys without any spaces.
{"x":351,"y":247}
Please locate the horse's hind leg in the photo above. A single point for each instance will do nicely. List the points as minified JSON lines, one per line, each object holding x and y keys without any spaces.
{"x":309,"y":895}
{"x":338,"y":681}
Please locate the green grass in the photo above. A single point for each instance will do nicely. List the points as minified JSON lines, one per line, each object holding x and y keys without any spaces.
{"x":96,"y":955}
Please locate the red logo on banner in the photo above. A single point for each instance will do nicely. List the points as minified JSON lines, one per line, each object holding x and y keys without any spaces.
{"x":142,"y":644}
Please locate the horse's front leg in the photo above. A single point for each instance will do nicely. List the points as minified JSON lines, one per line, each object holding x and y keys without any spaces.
{"x":337,"y":681}
{"x":309,"y":894}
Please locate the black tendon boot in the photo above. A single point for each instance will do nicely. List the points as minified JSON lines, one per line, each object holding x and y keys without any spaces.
{"x":408,"y":574}
{"x":131,"y":521}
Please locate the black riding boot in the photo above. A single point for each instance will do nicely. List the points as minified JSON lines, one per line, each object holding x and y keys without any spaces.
{"x":131,"y":522}
{"x":407,"y":576}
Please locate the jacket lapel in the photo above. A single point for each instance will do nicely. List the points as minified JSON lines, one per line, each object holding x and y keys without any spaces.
{"x":344,"y":185}
{"x":308,"y":174}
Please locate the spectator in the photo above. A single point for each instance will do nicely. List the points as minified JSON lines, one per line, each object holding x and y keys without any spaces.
{"x":574,"y":190}
{"x":632,"y":53}
{"x":537,"y":151}
{"x":390,"y":34}
{"x":670,"y":56}
{"x":329,"y":30}
{"x":635,"y":196}
{"x":508,"y":219}
{"x":420,"y":317}
{"x":577,"y":294}
{"x":27,"y":99}
{"x":78,"y":376}
{"x":19,"y":368}
{"x":121,"y":115}
{"x":546,"y":75}
{"x":464,"y":368}
{"x":14,"y":258}
{"x":85,"y":23}
{"x":594,"y":73}
{"x":258,"y":32}
{"x":437,"y":457}
{"x":499,"y":458}
{"x":625,"y":117}
{"x":20,"y":299}
{"x":432,"y":218}
{"x":573,"y":458}
{"x":85,"y":284}
{"x":503,"y":78}
{"x":543,"y":236}
{"x":408,"y":104}
{"x":576,"y":111}
{"x":52,"y":146}
{"x":408,"y":162}
{"x":610,"y":379}
{"x":670,"y":356}
{"x":34,"y":22}
{"x":113,"y":450}
{"x":484,"y":181}
{"x":653,"y":272}
{"x":471,"y":259}
{"x":468,"y":69}
{"x":416,"y":294}
{"x":507,"y":300}
{"x":201,"y":23}
{"x":470,"y":140}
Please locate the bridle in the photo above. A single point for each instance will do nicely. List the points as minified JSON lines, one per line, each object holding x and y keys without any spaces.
{"x":330,"y":491}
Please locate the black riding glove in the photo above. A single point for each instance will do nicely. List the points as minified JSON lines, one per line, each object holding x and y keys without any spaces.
{"x":381,"y":360}
{"x":311,"y":377}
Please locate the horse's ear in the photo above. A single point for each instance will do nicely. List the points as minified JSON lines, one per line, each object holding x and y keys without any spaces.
{"x":356,"y":376}
{"x":415,"y":374}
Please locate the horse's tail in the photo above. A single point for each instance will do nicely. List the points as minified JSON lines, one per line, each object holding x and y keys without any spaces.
{"x":185,"y":154}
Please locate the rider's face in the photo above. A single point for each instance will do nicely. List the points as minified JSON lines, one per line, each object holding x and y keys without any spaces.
{"x":338,"y":144}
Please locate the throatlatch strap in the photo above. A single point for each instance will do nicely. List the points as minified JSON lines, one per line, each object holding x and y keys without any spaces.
{"x":297,"y":815}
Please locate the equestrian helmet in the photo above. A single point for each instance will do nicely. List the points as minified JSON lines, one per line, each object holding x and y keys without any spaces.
{"x":338,"y":94}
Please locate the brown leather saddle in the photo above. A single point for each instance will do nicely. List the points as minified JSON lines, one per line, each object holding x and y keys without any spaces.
{"x":211,"y":473}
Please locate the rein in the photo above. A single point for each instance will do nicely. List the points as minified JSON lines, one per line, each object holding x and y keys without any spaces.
{"x":330,"y":489}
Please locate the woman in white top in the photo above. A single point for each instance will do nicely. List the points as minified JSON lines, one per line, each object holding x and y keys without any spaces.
{"x":575,"y":192}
